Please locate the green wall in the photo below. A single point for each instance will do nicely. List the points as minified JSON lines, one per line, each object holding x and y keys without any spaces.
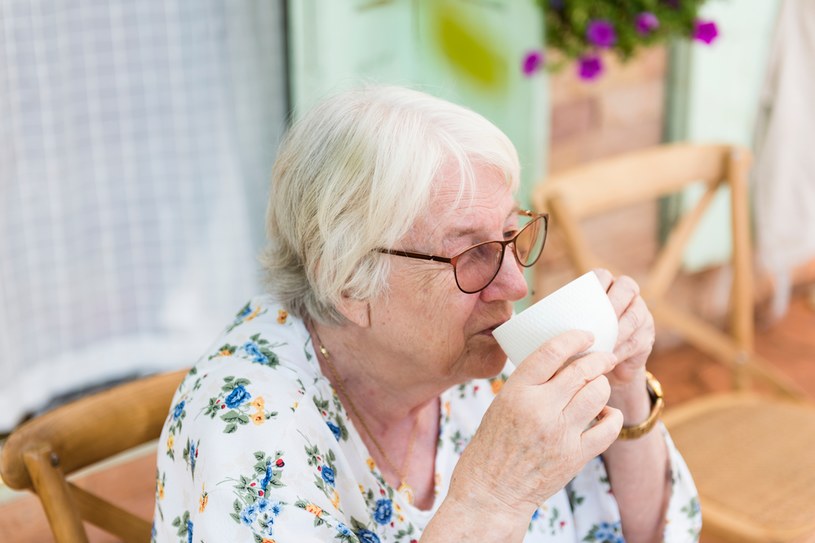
{"x":468,"y":51}
{"x":714,"y":97}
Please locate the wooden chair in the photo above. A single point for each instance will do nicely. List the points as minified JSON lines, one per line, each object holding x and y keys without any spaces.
{"x":752,"y":456}
{"x":40,"y":454}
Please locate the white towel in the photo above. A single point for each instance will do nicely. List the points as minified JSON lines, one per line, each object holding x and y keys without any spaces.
{"x":784,"y":175}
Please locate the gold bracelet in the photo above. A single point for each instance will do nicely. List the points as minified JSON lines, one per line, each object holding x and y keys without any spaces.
{"x":657,"y":405}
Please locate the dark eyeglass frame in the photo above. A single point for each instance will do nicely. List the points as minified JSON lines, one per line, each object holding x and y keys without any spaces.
{"x":453,"y":260}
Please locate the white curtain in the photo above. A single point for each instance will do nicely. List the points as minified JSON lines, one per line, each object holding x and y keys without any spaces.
{"x":784,"y":175}
{"x":136,"y":141}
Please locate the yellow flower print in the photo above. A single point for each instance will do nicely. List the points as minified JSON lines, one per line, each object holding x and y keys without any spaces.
{"x":252,"y":315}
{"x":447,"y":409}
{"x":259,"y":418}
{"x":496,"y":385}
{"x":265,"y":540}
{"x":258,"y":403}
{"x":203,"y":500}
{"x":224,"y":352}
{"x":371,"y":463}
{"x":401,"y":518}
{"x":282,"y":315}
{"x":335,"y":500}
{"x":361,"y":489}
{"x":170,"y":441}
{"x":160,"y":490}
{"x":294,"y":405}
{"x":314,"y":510}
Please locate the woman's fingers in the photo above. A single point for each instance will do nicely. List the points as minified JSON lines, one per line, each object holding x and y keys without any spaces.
{"x":599,"y":437}
{"x":637,"y":331}
{"x":589,"y":401}
{"x":542,"y":364}
{"x":604,"y":276}
{"x":578,"y":374}
{"x":622,"y":292}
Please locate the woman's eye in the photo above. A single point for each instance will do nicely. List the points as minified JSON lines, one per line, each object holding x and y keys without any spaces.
{"x":509,"y":234}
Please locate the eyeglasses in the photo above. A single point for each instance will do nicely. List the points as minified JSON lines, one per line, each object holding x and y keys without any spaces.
{"x":477,"y":266}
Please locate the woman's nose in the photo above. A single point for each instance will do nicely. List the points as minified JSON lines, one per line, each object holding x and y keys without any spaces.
{"x":510,"y":283}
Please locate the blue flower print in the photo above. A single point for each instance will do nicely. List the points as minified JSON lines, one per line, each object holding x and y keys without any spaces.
{"x":607,"y":533}
{"x":367,"y":536}
{"x":249,"y":514}
{"x":189,"y":531}
{"x":276,"y":508}
{"x":193,"y":452}
{"x":238,"y":396}
{"x":334,"y":430}
{"x":253,"y":350}
{"x":383,"y":511}
{"x":245,"y":311}
{"x":328,"y":475}
{"x":536,"y":515}
{"x":342,"y":529}
{"x":267,"y":478}
{"x":262,"y":505}
{"x":178,"y":409}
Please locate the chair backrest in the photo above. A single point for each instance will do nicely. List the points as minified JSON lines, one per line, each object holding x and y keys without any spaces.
{"x":42,"y":452}
{"x":649,"y":174}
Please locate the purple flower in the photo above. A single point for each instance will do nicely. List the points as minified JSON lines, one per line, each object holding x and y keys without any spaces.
{"x":705,"y":31}
{"x":601,"y":33}
{"x":533,"y":61}
{"x":589,"y":67}
{"x":646,"y":23}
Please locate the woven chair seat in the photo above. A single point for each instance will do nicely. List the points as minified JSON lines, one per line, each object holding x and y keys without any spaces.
{"x":739,"y":447}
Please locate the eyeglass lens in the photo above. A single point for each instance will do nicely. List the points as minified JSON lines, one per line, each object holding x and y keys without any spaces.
{"x":478,"y":266}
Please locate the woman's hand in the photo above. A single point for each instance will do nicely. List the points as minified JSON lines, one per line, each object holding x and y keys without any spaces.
{"x":637,"y":333}
{"x":634,"y":344}
{"x":538,"y":432}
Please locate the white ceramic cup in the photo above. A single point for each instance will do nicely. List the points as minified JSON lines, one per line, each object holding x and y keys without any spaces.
{"x":579,"y":305}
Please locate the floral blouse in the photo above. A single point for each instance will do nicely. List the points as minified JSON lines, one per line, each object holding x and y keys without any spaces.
{"x":258,"y":448}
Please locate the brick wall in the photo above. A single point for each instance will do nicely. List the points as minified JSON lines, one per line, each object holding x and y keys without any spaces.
{"x":622,"y":111}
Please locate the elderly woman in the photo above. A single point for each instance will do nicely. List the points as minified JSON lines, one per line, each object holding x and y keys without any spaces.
{"x":365,"y":399}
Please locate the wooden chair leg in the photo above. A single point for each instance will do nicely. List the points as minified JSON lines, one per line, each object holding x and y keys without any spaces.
{"x":52,"y":489}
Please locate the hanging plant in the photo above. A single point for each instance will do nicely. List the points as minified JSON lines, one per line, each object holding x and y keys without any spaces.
{"x":578,"y":31}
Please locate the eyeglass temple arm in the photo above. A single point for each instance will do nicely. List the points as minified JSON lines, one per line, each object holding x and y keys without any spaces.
{"x":420,"y":256}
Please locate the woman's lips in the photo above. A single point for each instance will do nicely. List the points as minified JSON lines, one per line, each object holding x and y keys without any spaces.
{"x":489,"y":330}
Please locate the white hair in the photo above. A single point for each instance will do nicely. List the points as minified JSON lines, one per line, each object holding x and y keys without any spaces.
{"x":353,"y":175}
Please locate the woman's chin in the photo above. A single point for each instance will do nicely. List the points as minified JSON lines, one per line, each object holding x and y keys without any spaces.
{"x":490,"y":362}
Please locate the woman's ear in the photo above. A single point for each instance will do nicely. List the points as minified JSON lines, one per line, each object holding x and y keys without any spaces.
{"x":356,"y":311}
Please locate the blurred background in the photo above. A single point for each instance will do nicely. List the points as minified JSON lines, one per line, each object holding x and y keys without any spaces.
{"x":137,"y":138}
